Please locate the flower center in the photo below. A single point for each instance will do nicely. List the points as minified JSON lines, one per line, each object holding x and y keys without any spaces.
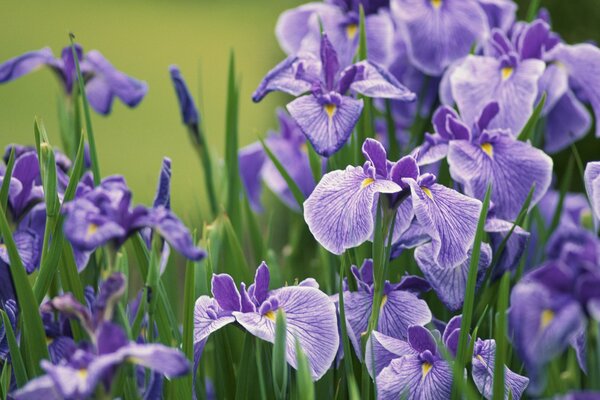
{"x":426,"y":368}
{"x":92,"y":228}
{"x":547,"y":317}
{"x":330,"y":109}
{"x":351,"y":30}
{"x":270,"y":315}
{"x":488,"y":149}
{"x":82,"y":373}
{"x":507,"y":72}
{"x":436,"y":4}
{"x":383,"y":301}
{"x":427,"y":192}
{"x":366,"y":182}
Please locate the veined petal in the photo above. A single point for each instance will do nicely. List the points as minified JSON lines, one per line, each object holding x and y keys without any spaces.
{"x":340,"y":211}
{"x":24,"y":64}
{"x":206,"y":320}
{"x":583,"y":64}
{"x":373,"y":80}
{"x":357,"y":307}
{"x":327,"y":126}
{"x":449,"y":218}
{"x":591,"y":178}
{"x":511,"y":166}
{"x":484,"y":359}
{"x":251,"y":160}
{"x":501,"y":14}
{"x":498,"y":229}
{"x":450,"y":281}
{"x":283,"y":78}
{"x":405,"y":378}
{"x":382,"y":349}
{"x":436,"y":36}
{"x":401,"y":310}
{"x":567,"y":122}
{"x":311,"y":319}
{"x":478,"y":80}
{"x":162,"y":359}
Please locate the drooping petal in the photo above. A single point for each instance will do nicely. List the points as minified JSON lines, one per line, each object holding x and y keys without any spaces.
{"x":511,"y":166}
{"x":207,"y":319}
{"x":449,"y":218}
{"x":450,"y":281}
{"x":357,"y":308}
{"x":24,"y":64}
{"x":327,"y":126}
{"x":592,"y":185}
{"x":251,"y":160}
{"x":173,"y":231}
{"x":405,"y":378}
{"x":372,"y":80}
{"x":567,"y":122}
{"x":583,"y":64}
{"x":484,"y":359}
{"x":311,"y":319}
{"x":340,"y":211}
{"x":284,"y":77}
{"x":42,"y":387}
{"x":514,"y":247}
{"x":401,"y":310}
{"x":478,"y":80}
{"x":382,"y":349}
{"x":436,"y":34}
{"x":162,"y":359}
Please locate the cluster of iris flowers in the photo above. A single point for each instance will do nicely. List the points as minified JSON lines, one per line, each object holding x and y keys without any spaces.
{"x":417,"y":146}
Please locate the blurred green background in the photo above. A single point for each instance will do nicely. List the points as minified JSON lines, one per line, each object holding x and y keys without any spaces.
{"x":142,"y":38}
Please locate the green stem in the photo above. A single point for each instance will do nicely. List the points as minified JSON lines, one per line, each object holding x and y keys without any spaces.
{"x":197,"y":135}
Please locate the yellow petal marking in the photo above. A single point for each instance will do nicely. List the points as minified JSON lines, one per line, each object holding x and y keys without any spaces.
{"x":436,"y":4}
{"x":507,"y":72}
{"x":330,"y":109}
{"x":547,"y":317}
{"x":383,"y":301}
{"x":92,"y":228}
{"x":351,"y":31}
{"x":426,"y":368}
{"x":488,"y":149}
{"x":270,"y":315}
{"x":427,"y":192}
{"x":366,"y":182}
{"x":82,"y":373}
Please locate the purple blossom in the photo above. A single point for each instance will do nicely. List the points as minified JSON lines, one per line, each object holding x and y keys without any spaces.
{"x":103,"y":82}
{"x":415,"y":368}
{"x":187,"y":106}
{"x":439,"y":32}
{"x":310,"y":316}
{"x":289,"y":146}
{"x":400,"y":306}
{"x":340,"y":212}
{"x":327,"y":115}
{"x":478,"y":156}
{"x":592,"y":186}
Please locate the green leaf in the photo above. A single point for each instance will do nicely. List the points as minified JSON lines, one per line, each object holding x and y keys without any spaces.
{"x":15,"y":354}
{"x":296,"y":192}
{"x":534,"y":5}
{"x":467,"y":310}
{"x":316,"y":164}
{"x":348,"y":351}
{"x":394,"y":148}
{"x":189,"y":299}
{"x":362,"y":39}
{"x":88,"y":118}
{"x":245,"y":374}
{"x":33,"y":329}
{"x":231,"y":148}
{"x":279,"y":363}
{"x":72,"y":283}
{"x":500,"y":336}
{"x":233,"y":253}
{"x":255,"y":235}
{"x":5,"y":379}
{"x":4,"y":190}
{"x":529,"y":127}
{"x":304,"y":384}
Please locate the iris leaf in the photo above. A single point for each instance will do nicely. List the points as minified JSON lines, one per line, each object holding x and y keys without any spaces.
{"x":500,"y":336}
{"x":529,"y":127}
{"x":279,"y":363}
{"x":304,"y":384}
{"x":231,"y":148}
{"x":15,"y":355}
{"x":4,"y":190}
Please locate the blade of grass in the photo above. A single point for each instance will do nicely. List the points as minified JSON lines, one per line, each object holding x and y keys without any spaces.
{"x":296,"y":192}
{"x":279,"y":363}
{"x":365,"y":126}
{"x":88,"y":118}
{"x":189,"y":298}
{"x":532,"y":10}
{"x":33,"y":330}
{"x":467,"y":310}
{"x":500,"y":336}
{"x":4,"y":190}
{"x":529,"y":128}
{"x":349,"y":368}
{"x":15,"y":354}
{"x":245,"y":370}
{"x":231,"y":148}
{"x":304,"y":385}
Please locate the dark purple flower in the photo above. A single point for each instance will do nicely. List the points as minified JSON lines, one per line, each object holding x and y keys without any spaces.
{"x":103,"y":82}
{"x":328,"y":115}
{"x":189,"y":111}
{"x":103,"y":214}
{"x":400,"y":305}
{"x":439,"y":32}
{"x":340,"y":212}
{"x":310,"y":316}
{"x":289,"y":146}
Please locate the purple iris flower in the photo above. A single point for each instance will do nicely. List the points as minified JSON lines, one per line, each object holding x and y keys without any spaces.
{"x":289,"y":146}
{"x":103,"y":82}
{"x":327,"y":115}
{"x":400,"y":306}
{"x":415,"y":368}
{"x":340,"y":212}
{"x":592,"y":186}
{"x":187,"y":105}
{"x":514,"y":247}
{"x":478,"y":156}
{"x":508,"y":73}
{"x":439,"y":32}
{"x":582,"y":395}
{"x":10,"y":308}
{"x":310,"y":316}
{"x":103,"y":214}
{"x":298,"y":30}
